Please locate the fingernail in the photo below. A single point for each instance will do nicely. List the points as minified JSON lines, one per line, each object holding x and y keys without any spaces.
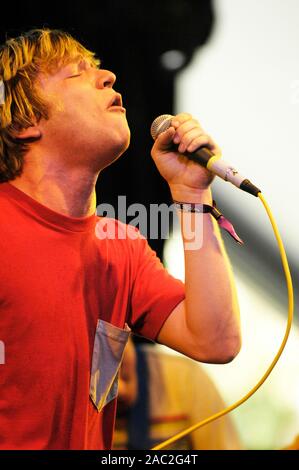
{"x":175,"y":123}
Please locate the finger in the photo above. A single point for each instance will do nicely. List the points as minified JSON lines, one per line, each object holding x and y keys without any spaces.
{"x":165,"y":138}
{"x":203,"y":141}
{"x":180,"y":119}
{"x":186,"y":127}
{"x":188,"y":138}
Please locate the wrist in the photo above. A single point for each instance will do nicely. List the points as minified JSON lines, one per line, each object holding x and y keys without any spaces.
{"x":186,"y":194}
{"x":203,"y":208}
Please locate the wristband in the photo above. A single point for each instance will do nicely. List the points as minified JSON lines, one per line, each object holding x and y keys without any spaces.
{"x":214,"y":211}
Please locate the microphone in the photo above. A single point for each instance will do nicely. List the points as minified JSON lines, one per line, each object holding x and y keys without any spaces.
{"x":207,"y":159}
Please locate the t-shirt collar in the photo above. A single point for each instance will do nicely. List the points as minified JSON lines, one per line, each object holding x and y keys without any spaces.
{"x":76,"y":224}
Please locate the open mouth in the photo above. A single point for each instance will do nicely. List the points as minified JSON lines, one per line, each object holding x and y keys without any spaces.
{"x":116,"y":102}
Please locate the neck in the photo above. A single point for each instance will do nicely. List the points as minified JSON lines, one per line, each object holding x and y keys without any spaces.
{"x":68,"y":191}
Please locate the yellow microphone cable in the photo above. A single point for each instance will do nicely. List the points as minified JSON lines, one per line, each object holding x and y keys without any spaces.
{"x":277,"y":356}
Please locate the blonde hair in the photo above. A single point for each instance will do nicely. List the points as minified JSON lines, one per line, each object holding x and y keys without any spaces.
{"x":21,"y":59}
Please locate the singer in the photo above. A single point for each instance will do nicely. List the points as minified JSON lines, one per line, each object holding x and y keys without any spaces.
{"x":68,"y":300}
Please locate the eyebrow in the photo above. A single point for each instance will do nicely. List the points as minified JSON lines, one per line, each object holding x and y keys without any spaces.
{"x":83,"y":63}
{"x":80,"y":63}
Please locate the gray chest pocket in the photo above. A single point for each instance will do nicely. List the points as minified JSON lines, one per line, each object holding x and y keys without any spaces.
{"x":109,"y":345}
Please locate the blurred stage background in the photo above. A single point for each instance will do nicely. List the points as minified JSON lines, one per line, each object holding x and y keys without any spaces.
{"x":234,"y":65}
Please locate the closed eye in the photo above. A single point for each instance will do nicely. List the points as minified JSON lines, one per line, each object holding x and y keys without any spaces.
{"x":73,"y":76}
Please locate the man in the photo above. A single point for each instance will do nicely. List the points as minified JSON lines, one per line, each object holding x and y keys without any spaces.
{"x":68,"y":296}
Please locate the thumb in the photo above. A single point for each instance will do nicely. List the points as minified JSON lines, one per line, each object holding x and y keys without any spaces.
{"x":164,"y":140}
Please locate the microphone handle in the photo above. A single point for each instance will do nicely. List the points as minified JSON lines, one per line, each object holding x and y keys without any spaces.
{"x":223,"y":169}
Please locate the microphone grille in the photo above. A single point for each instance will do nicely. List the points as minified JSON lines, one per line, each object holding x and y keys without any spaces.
{"x":160,"y":124}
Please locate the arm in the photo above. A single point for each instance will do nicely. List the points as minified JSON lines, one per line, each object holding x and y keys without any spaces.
{"x":205,"y":326}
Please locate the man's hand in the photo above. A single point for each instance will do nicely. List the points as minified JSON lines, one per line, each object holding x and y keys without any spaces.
{"x":184,"y":176}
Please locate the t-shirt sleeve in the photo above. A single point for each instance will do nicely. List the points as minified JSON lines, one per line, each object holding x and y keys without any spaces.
{"x":155,"y":292}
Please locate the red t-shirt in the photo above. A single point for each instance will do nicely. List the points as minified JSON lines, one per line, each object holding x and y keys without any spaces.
{"x":59,"y":276}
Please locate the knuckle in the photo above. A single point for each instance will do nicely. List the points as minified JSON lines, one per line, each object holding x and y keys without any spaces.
{"x":186,"y":139}
{"x":180,"y":132}
{"x":182,"y":117}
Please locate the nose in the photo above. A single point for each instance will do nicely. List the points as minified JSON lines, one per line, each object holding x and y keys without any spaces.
{"x":105,"y":79}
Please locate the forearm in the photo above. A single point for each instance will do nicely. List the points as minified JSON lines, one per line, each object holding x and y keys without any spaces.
{"x":212,"y":313}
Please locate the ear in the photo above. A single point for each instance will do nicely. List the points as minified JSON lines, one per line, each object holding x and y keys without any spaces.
{"x":29,"y":133}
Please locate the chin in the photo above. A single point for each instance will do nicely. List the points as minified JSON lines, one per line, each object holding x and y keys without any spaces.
{"x":114,"y":152}
{"x":122,"y":143}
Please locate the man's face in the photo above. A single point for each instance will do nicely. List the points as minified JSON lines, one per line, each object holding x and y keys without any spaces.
{"x":87,"y":123}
